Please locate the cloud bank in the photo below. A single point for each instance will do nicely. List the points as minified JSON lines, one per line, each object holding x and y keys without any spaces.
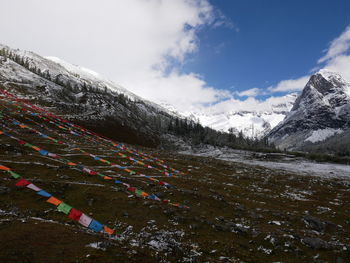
{"x":139,"y":44}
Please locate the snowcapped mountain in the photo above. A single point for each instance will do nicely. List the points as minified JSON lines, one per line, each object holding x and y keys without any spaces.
{"x":253,"y":118}
{"x":321,"y":112}
{"x":82,"y":95}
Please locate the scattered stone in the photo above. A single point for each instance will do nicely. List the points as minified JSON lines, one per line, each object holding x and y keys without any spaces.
{"x":314,"y":242}
{"x":194,"y":226}
{"x":314,"y":223}
{"x":4,"y":190}
{"x":90,"y":201}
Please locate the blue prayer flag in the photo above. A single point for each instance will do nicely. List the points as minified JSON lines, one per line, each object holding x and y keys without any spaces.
{"x":43,"y":193}
{"x":96,"y":226}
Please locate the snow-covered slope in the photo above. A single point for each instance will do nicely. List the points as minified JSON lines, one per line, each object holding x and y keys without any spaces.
{"x":81,"y":94}
{"x":256,"y":121}
{"x":322,"y":111}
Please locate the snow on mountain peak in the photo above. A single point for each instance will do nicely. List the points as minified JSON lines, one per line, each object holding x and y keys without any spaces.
{"x":253,"y":117}
{"x":328,"y":75}
{"x":74,"y":68}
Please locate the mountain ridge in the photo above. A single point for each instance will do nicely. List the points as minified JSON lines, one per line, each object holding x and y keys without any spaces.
{"x":320,"y":112}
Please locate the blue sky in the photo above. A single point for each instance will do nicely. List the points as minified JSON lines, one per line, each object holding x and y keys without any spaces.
{"x":189,"y":53}
{"x":271,"y":41}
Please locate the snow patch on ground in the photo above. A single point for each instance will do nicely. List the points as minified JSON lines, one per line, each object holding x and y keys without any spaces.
{"x":96,"y":245}
{"x":287,"y":163}
{"x":322,"y":134}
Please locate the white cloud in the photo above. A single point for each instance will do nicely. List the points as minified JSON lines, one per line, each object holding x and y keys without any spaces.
{"x":250,"y":92}
{"x":290,"y":85}
{"x":135,"y":42}
{"x":248,"y":104}
{"x":338,"y":46}
{"x":335,"y":60}
{"x":341,"y":65}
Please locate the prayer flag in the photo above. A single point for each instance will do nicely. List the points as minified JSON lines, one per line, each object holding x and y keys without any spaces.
{"x":54,"y":201}
{"x":95,"y":225}
{"x":14,"y":175}
{"x":74,"y":214}
{"x":108,"y":230}
{"x":85,"y":220}
{"x":44,"y":193}
{"x":43,"y":152}
{"x":33,"y":187}
{"x":22,"y":182}
{"x":4,"y":168}
{"x":64,"y":208}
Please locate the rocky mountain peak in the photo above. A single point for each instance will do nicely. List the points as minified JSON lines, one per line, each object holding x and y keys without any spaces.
{"x":323,"y":108}
{"x":326,"y":87}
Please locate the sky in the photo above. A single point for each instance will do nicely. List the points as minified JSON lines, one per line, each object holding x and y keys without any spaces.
{"x":192,"y":54}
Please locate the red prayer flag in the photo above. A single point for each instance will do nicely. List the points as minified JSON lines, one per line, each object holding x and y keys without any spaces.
{"x":131,"y":189}
{"x":22,"y":182}
{"x":74,"y":214}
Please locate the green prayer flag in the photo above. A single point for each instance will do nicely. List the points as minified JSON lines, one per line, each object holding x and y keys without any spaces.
{"x":28,"y":144}
{"x":14,"y":175}
{"x":138,"y":192}
{"x":64,"y":208}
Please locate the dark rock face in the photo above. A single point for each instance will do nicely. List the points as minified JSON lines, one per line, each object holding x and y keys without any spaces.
{"x":320,"y":111}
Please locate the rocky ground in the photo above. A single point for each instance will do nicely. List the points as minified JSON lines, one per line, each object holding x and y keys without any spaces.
{"x":239,"y":212}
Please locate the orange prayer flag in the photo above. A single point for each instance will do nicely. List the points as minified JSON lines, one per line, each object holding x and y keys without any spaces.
{"x":4,"y":168}
{"x":22,"y":126}
{"x":107,"y":178}
{"x":71,"y":163}
{"x":127,"y":170}
{"x":108,"y":230}
{"x":1,"y":132}
{"x":144,"y":194}
{"x":54,"y":201}
{"x":36,"y":148}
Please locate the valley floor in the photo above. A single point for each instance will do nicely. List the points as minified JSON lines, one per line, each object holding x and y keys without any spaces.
{"x":245,"y":208}
{"x":239,"y":212}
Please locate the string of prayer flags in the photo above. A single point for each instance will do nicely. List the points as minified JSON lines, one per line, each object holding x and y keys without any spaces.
{"x":125,"y":169}
{"x":157,"y":160}
{"x":85,"y":169}
{"x":63,"y":207}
